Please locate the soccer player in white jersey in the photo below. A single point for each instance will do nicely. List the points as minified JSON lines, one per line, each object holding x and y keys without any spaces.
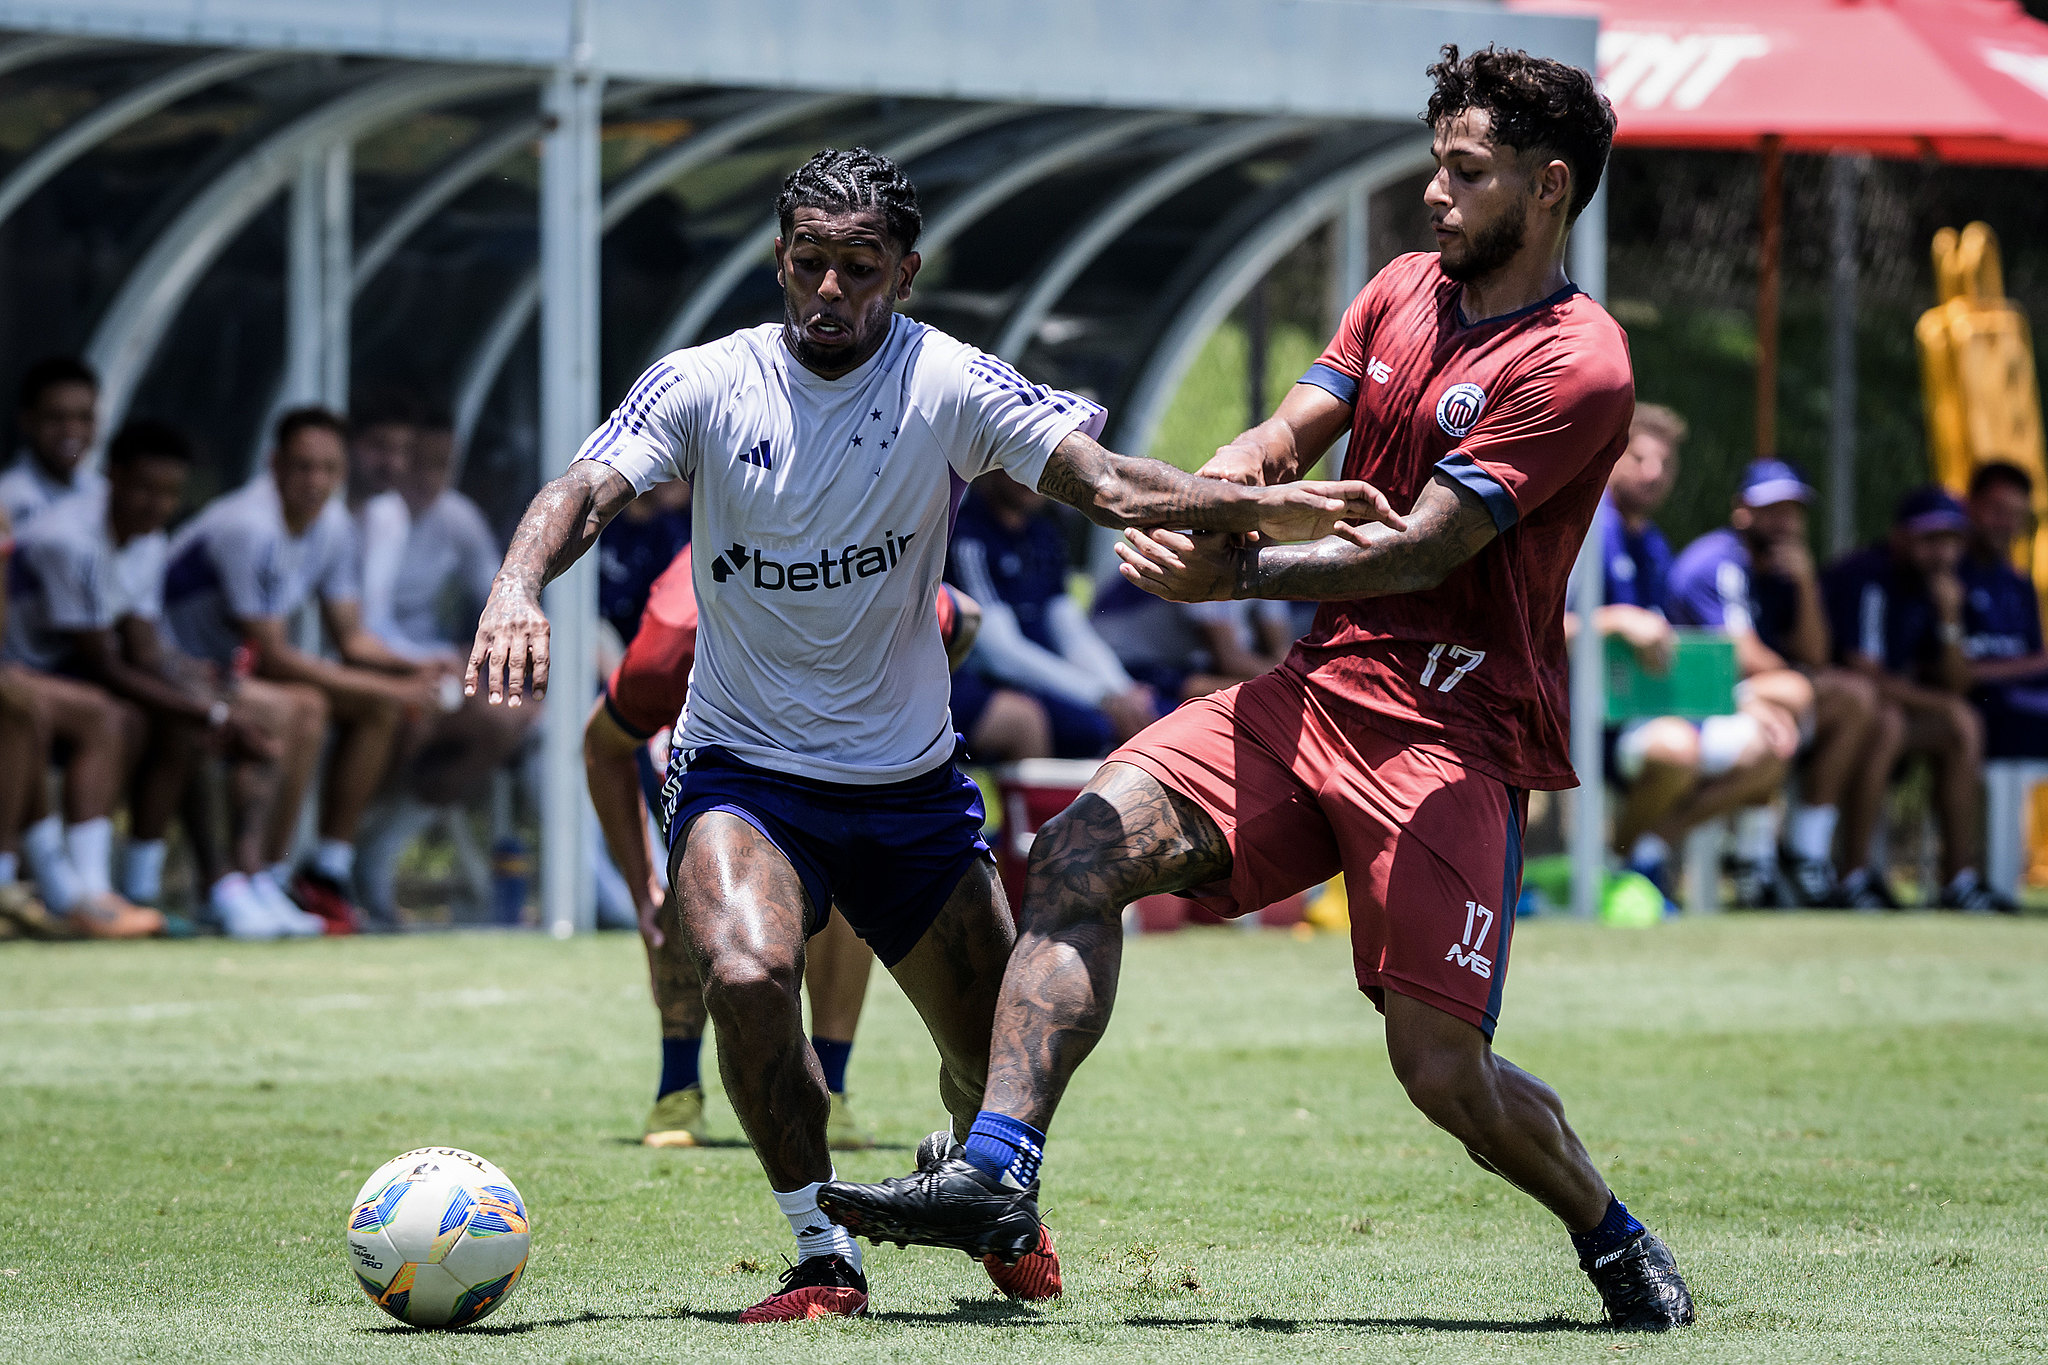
{"x":816,"y":761}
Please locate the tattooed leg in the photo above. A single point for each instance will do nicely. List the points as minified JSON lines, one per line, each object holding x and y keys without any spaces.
{"x":952,"y":977}
{"x":742,"y":913}
{"x":1126,"y":836}
{"x":678,"y":993}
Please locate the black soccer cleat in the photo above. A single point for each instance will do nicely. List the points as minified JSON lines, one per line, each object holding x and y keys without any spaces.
{"x":950,"y":1204}
{"x":1640,"y":1286}
{"x":936,"y":1147}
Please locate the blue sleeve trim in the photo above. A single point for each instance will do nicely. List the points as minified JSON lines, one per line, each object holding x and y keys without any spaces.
{"x":1499,"y":504}
{"x":1336,"y":382}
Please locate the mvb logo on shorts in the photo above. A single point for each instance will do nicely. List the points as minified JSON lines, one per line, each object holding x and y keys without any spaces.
{"x":1466,"y":953}
{"x":809,"y":575}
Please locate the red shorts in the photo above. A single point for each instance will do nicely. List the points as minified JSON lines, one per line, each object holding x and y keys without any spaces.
{"x":648,"y":688}
{"x":1431,"y":851}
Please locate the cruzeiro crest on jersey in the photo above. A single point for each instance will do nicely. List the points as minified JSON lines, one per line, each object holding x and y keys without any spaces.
{"x":1457,"y":411}
{"x":809,"y":575}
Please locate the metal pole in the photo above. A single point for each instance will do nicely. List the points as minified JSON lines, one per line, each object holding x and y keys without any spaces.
{"x":337,"y":269}
{"x":1588,"y":260}
{"x":304,"y":289}
{"x":1845,"y":193}
{"x":569,"y":235}
{"x":1770,"y":265}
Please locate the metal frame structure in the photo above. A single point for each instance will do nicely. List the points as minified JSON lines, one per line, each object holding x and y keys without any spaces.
{"x":1285,"y":69}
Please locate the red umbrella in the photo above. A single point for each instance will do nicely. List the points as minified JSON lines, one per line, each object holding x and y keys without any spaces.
{"x":1962,"y":80}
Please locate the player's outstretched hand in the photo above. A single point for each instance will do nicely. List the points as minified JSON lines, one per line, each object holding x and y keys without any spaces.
{"x":511,"y":640}
{"x":1314,"y":509}
{"x":1201,"y":567}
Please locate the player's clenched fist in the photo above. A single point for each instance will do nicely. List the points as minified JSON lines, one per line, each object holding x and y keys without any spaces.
{"x":511,"y":638}
{"x":1313,"y":509}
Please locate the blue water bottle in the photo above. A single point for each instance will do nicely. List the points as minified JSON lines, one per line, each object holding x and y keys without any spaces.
{"x":511,"y":871}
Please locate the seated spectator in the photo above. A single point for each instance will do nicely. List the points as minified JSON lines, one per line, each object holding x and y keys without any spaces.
{"x":633,"y":550}
{"x":428,"y":558}
{"x":24,"y":748}
{"x":380,"y":446}
{"x":89,"y":602}
{"x":1755,"y":579}
{"x":1897,"y":611}
{"x":59,"y":423}
{"x":238,"y":572}
{"x":1675,"y":773}
{"x":1184,"y":650}
{"x":2002,"y":617}
{"x":97,"y":737}
{"x":1009,"y":554}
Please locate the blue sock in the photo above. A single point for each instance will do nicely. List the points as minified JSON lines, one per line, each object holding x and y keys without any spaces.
{"x":1005,"y":1148}
{"x":833,"y":1055}
{"x":1616,"y":1231}
{"x":678,"y":1065}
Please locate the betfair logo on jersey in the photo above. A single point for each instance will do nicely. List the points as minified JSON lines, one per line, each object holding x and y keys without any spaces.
{"x":807,"y":575}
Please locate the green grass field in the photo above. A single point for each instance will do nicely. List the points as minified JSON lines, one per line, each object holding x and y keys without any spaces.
{"x":1840,"y":1125}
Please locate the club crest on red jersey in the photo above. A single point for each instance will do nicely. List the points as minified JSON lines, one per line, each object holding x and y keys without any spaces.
{"x":1457,"y":411}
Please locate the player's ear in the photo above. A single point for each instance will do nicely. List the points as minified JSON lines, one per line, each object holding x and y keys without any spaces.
{"x":779,"y":281}
{"x":1554,"y":184}
{"x":906,"y":271}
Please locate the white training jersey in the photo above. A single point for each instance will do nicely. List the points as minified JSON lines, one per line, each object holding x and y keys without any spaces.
{"x":238,"y":561}
{"x":69,"y":577}
{"x":820,"y":513}
{"x":26,"y":489}
{"x":424,"y":575}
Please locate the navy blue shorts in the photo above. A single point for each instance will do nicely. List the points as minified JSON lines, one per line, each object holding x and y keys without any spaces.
{"x":888,"y":856}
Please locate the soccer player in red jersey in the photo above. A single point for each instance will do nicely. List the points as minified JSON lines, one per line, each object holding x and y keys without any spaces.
{"x":1487,"y":395}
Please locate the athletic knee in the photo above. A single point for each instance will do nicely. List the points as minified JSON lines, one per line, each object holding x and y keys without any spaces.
{"x":1449,"y":1088}
{"x":1670,"y":742}
{"x":747,"y":984}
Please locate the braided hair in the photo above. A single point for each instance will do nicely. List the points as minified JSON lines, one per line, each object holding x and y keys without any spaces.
{"x":858,"y":179}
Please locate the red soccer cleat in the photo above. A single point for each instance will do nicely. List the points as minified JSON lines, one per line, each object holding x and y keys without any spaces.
{"x":323,"y":896}
{"x":1036,"y":1276}
{"x":815,"y":1287}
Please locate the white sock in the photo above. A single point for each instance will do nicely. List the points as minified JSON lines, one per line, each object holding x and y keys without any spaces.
{"x":10,"y":868}
{"x":91,"y":845}
{"x":142,"y":871}
{"x":42,"y":848}
{"x":336,"y":858}
{"x":241,"y":915}
{"x":816,"y":1235}
{"x":1812,"y":835}
{"x":1756,"y":833}
{"x":1649,"y":850}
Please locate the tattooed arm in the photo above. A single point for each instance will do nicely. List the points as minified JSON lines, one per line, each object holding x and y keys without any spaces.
{"x":1446,"y":527}
{"x":1120,"y":490}
{"x":560,"y":524}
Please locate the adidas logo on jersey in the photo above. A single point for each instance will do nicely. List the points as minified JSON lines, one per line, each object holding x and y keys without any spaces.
{"x":804,"y":575}
{"x":761,"y":454}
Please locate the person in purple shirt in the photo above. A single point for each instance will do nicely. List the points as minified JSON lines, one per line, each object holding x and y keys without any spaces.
{"x":2002,"y":617}
{"x":1674,"y":773}
{"x":1755,"y":579}
{"x":1897,"y":613}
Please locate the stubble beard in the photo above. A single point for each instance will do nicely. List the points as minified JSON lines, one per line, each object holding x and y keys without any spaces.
{"x":1489,"y":249}
{"x":868,"y":335}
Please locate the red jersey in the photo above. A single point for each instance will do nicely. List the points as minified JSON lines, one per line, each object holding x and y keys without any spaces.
{"x":1530,"y":411}
{"x":648,"y":688}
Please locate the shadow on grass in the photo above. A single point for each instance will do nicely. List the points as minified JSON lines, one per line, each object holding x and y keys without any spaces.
{"x":1289,"y":1326}
{"x":513,"y":1329}
{"x":742,"y":1145}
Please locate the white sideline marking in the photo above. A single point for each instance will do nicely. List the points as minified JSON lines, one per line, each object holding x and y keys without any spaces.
{"x":468,"y":998}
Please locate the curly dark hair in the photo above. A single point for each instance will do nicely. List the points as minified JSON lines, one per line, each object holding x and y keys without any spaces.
{"x":857,"y":179}
{"x":1535,"y":105}
{"x":143,"y":438}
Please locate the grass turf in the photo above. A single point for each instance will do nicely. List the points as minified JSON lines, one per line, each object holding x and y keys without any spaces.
{"x":1837,"y":1123}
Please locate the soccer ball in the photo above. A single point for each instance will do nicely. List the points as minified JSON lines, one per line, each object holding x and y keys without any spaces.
{"x":437,"y":1237}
